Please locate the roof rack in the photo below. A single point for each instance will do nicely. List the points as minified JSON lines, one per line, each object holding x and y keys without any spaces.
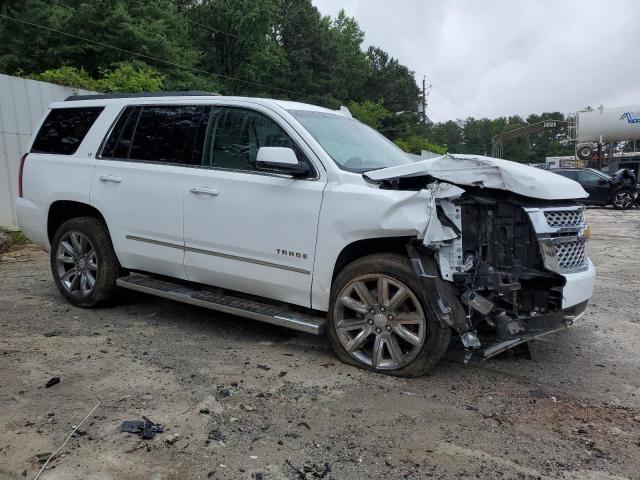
{"x":190,"y":93}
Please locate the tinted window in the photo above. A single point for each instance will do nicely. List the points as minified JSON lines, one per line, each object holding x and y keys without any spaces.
{"x":64,"y":129}
{"x":569,"y":174}
{"x":168,"y":134}
{"x":587,"y":177}
{"x":236,"y":136}
{"x":119,"y":141}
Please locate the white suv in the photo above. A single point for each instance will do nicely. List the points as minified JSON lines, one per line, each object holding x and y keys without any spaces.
{"x":303,"y":217}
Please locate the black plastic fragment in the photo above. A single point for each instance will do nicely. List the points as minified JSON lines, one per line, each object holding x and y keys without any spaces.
{"x":146,"y":429}
{"x":52,"y":382}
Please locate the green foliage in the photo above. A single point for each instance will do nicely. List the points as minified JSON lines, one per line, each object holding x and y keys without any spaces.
{"x":67,"y":76}
{"x":415,"y":144}
{"x":127,"y":78}
{"x":124,"y":78}
{"x":271,"y":48}
{"x":369,"y":113}
{"x":15,"y":237}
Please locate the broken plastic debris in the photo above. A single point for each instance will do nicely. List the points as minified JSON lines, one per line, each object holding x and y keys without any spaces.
{"x":52,"y":382}
{"x":146,"y":429}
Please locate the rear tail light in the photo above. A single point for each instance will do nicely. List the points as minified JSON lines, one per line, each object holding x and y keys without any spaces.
{"x":24,"y":157}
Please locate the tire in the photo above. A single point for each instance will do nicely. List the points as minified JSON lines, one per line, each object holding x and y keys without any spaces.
{"x":367,"y":333}
{"x":83,"y":245}
{"x":622,"y":199}
{"x":585,"y":152}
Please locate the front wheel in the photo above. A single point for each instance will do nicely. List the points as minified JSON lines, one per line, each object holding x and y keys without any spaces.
{"x":379,"y":320}
{"x":622,"y":199}
{"x":83,"y":262}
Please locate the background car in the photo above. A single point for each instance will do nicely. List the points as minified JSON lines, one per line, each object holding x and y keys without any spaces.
{"x":621,"y":190}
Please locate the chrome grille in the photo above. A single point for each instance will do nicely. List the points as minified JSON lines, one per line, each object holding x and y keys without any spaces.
{"x":571,"y":255}
{"x":564,"y":218}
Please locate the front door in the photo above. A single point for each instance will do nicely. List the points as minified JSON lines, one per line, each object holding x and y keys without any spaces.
{"x":246,"y":229}
{"x":595,"y":185}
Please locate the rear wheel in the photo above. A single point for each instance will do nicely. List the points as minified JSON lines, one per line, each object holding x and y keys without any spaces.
{"x":83,"y":262}
{"x":622,"y":199}
{"x":379,"y":320}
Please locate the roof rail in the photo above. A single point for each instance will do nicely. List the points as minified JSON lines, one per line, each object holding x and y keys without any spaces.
{"x":191,"y":93}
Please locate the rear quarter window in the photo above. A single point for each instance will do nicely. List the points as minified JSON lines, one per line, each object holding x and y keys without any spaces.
{"x":64,"y":129}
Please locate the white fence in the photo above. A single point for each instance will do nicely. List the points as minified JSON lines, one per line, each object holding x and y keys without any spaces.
{"x":22,"y":104}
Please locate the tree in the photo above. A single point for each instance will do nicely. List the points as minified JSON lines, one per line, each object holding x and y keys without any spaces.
{"x":113,"y":29}
{"x":392,"y":81}
{"x":369,"y":113}
{"x":416,"y":144}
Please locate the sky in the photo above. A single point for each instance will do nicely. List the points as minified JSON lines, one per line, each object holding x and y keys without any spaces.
{"x":489,"y":58}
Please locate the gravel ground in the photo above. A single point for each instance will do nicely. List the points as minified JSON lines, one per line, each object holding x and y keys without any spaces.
{"x":244,"y":400}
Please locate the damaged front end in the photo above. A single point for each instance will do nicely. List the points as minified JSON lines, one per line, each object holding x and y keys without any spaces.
{"x":507,"y":265}
{"x":502,"y":259}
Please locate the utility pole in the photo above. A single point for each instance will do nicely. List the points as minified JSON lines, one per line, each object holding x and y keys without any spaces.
{"x":424,"y":103}
{"x":424,"y":100}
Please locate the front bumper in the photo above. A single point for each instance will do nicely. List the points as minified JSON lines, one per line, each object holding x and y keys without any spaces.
{"x":579,"y":286}
{"x":536,"y":327}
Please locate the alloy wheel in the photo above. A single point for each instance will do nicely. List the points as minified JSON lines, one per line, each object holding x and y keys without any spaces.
{"x":379,"y":321}
{"x":623,"y":200}
{"x":77,"y":263}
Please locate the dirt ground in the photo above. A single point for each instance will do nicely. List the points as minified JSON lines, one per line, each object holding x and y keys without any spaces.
{"x":254,"y":401}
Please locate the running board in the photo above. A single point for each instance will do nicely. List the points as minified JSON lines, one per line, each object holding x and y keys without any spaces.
{"x":262,"y":312}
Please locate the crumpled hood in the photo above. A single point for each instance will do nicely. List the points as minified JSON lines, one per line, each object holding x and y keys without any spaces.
{"x":487,"y":172}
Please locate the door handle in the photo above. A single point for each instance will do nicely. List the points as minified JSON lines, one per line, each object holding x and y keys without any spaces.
{"x":110,"y":178}
{"x":204,"y":191}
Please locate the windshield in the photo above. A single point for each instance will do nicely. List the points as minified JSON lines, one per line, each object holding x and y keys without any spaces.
{"x":352,"y":145}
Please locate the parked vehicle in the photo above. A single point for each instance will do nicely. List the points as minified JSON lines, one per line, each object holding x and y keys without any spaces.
{"x":621,"y":190}
{"x":303,"y":217}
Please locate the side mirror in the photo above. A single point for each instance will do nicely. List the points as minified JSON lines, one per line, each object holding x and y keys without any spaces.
{"x":281,"y":160}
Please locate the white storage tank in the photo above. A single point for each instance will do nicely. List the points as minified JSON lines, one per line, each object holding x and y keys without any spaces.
{"x":620,"y":123}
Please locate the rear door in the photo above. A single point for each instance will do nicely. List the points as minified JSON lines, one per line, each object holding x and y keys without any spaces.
{"x":138,"y":188}
{"x":246,"y":229}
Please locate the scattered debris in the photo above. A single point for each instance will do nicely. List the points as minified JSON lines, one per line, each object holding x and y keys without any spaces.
{"x":305,"y":425}
{"x":42,"y":457}
{"x":67,"y":439}
{"x":264,"y":367}
{"x":282,"y":374}
{"x":216,"y":436}
{"x":311,"y":470}
{"x":327,"y":365}
{"x":171,"y":439}
{"x":223,"y":393}
{"x":248,"y":408}
{"x":52,"y":382}
{"x":146,"y":429}
{"x":53,"y":333}
{"x":205,"y":411}
{"x":257,"y":476}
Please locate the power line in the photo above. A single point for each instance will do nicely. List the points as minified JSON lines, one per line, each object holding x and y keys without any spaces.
{"x":433,"y":113}
{"x":143,"y":55}
{"x":451,"y":98}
